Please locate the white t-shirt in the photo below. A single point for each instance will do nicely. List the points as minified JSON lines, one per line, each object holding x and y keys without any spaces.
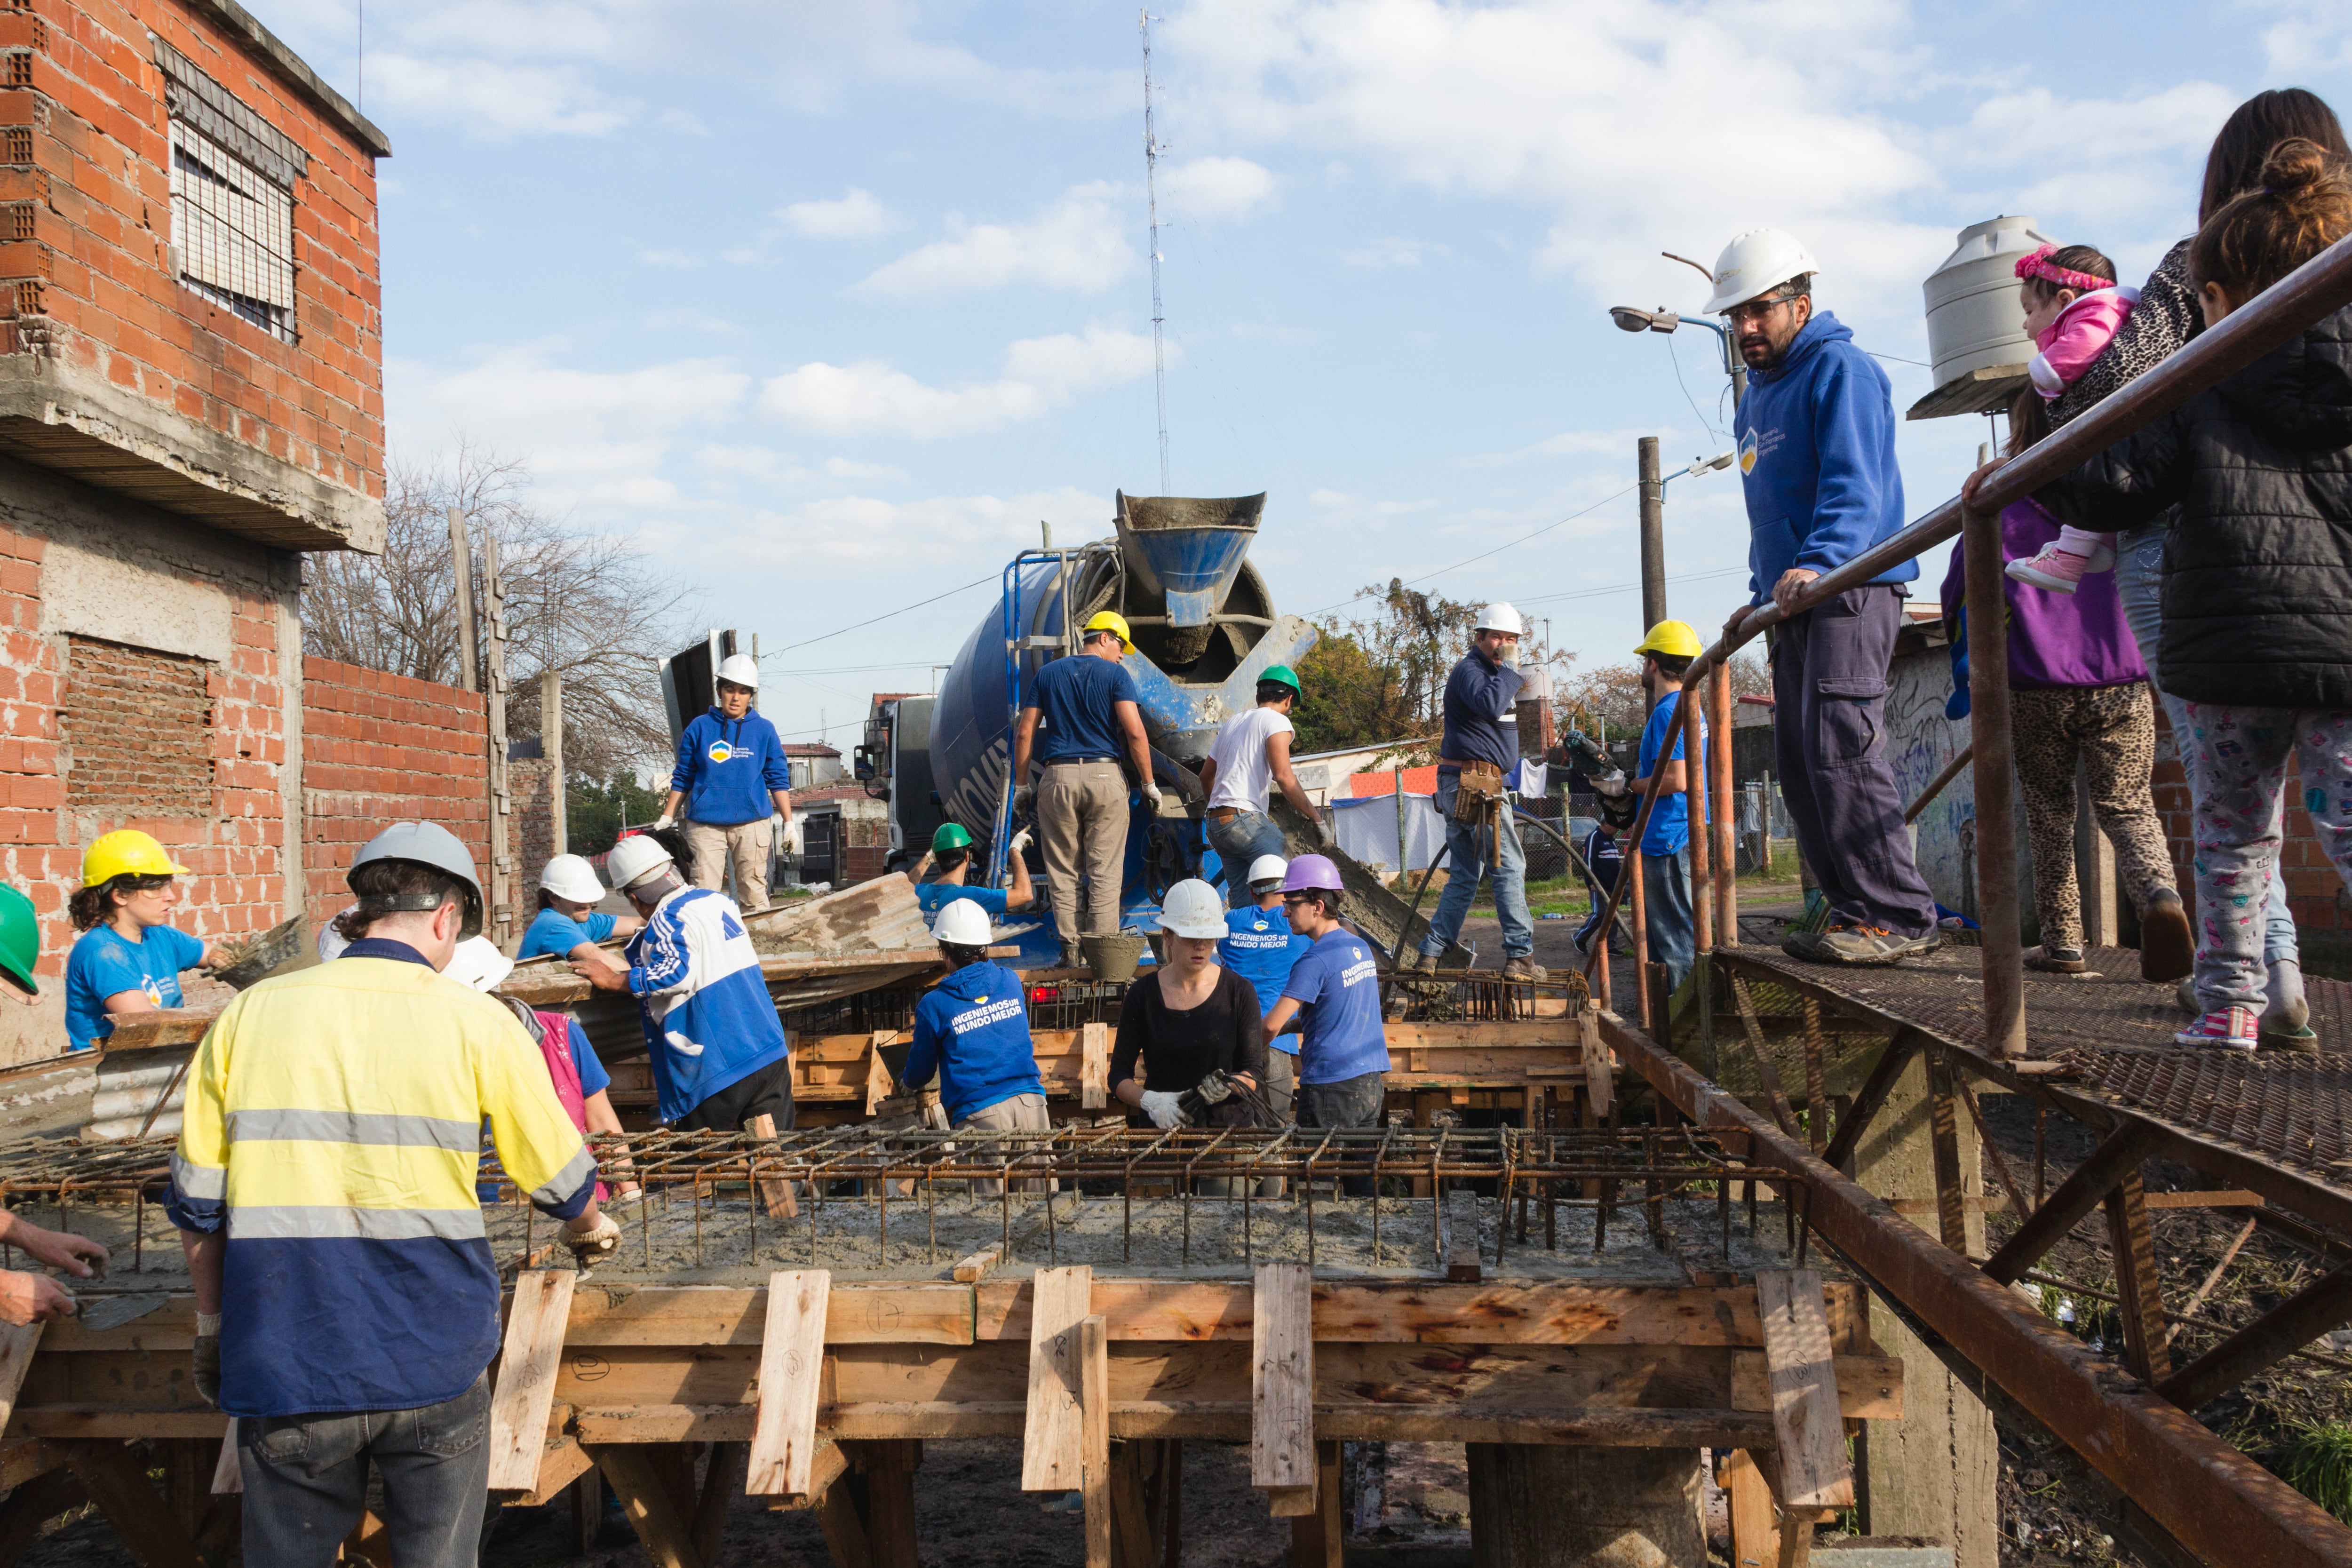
{"x":1243,"y":776}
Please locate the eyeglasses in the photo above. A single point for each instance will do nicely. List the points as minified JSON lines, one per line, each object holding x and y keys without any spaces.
{"x":1756,"y":310}
{"x":1288,"y":898}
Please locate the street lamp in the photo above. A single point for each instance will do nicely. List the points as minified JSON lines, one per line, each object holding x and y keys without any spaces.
{"x":1633,"y":319}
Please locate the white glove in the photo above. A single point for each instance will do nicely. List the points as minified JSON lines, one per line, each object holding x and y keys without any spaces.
{"x":598,"y":1242}
{"x":1020,"y":842}
{"x":793,"y":843}
{"x":1323,"y":833}
{"x":1152,"y":794}
{"x":1024,"y":799}
{"x":664,"y":822}
{"x":1162,"y":1109}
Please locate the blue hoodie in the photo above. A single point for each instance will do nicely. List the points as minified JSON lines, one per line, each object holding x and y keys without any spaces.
{"x":1817,"y":458}
{"x":727,"y":766}
{"x":973,"y":1031}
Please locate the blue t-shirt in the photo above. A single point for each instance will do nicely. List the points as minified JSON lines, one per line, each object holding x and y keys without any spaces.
{"x":1338,"y":986}
{"x":1073,"y":697}
{"x":103,"y":965}
{"x":936,"y":896}
{"x":552,"y":931}
{"x":972,"y":1029}
{"x":1670,"y":818}
{"x":1260,"y":947}
{"x":594,"y":1078}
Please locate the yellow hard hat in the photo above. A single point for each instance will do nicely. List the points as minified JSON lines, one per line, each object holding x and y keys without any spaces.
{"x":1673,"y":639}
{"x":126,"y":851}
{"x":1112,"y":621}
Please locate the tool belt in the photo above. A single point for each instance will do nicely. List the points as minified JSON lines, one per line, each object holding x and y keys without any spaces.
{"x":1478,"y":803}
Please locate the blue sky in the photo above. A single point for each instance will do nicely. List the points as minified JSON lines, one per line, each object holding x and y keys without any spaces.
{"x":827,"y":306}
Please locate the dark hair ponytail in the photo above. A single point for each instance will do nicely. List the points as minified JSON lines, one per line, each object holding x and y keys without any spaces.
{"x":2254,"y":132}
{"x":2303,"y":205}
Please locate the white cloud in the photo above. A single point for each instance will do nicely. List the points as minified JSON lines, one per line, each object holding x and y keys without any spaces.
{"x":1076,"y":243}
{"x":493,"y":100}
{"x":857,"y":215}
{"x":1390,"y":253}
{"x":674,"y":260}
{"x":968,"y":531}
{"x":1569,"y":443}
{"x":871,"y":473}
{"x":869,"y":397}
{"x":1216,"y":189}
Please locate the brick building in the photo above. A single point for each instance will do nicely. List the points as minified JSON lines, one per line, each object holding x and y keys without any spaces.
{"x":190,"y":396}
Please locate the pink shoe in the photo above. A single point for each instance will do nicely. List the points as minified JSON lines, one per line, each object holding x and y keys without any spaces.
{"x":2054,"y":569}
{"x":2230,"y":1028}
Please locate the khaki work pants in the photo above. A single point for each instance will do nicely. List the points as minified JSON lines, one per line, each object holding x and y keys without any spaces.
{"x":1082,"y":826}
{"x":744,"y":847}
{"x":1022,"y":1113}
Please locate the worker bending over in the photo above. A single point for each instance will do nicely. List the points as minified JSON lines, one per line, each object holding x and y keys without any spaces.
{"x":720,"y":1057}
{"x":129,"y":957}
{"x":347,"y":1303}
{"x":735,"y":784}
{"x":1087,"y":705}
{"x":1250,"y":760}
{"x":1185,"y":1019}
{"x":972,"y":1030}
{"x":1334,"y":990}
{"x":1260,"y":947}
{"x":1481,"y":838}
{"x":569,"y":923}
{"x":950,"y":855}
{"x":1665,"y":653}
{"x":28,"y":1297}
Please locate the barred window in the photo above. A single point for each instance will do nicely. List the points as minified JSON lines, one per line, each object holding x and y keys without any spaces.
{"x":233,"y":179}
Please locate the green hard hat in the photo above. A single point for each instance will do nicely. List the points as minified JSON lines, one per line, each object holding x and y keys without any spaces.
{"x":20,"y":937}
{"x":1282,"y":675}
{"x":949,"y":836}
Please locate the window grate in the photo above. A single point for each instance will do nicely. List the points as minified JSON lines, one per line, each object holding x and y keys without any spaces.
{"x":234,"y":229}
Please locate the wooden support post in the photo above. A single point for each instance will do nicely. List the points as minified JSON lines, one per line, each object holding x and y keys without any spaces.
{"x":533,"y":1353}
{"x":1464,"y":1261}
{"x":1315,"y":1538}
{"x":1722,"y":815}
{"x":1560,"y":1506}
{"x":1094,"y":1065}
{"x":1133,"y":1542}
{"x":1653,"y":1027}
{"x":1171,"y":1504}
{"x":844,"y":1528}
{"x":792,"y":1369}
{"x":117,"y":1482}
{"x":722,"y":1482}
{"x":889,"y":1473}
{"x":462,"y":558}
{"x":1282,"y":1386}
{"x":502,"y":914}
{"x":1944,"y":1141}
{"x":629,"y":1471}
{"x":775,"y":1191}
{"x":1815,"y":1470}
{"x":1094,"y":1412}
{"x":1817,"y":1096}
{"x":550,"y":741}
{"x":1052,"y":1438}
{"x":587,"y":1511}
{"x":1991,"y":747}
{"x":1755,"y":1520}
{"x":2142,"y":1307}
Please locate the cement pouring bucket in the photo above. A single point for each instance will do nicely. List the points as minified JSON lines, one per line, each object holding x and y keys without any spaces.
{"x":1113,"y":957}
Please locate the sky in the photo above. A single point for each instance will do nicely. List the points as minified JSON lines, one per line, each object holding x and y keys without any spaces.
{"x":827,"y":308}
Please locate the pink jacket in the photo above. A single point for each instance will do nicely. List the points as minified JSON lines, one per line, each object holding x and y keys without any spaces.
{"x":2081,"y":332}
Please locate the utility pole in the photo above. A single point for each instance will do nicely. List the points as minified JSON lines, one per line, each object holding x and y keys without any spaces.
{"x":1653,"y":534}
{"x":463,"y":557}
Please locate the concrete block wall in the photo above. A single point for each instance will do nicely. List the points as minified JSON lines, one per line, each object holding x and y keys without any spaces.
{"x":87,"y":273}
{"x":531,"y":829}
{"x":379,"y":748}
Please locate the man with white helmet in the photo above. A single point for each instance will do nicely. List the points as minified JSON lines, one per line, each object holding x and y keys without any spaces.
{"x":1481,"y":744}
{"x":1260,"y":947}
{"x":972,"y":1030}
{"x":720,"y":1059}
{"x":1817,"y":462}
{"x":347,"y":1303}
{"x":735,"y":785}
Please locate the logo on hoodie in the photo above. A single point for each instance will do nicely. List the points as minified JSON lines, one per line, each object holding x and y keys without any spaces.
{"x":1748,"y":453}
{"x":719,"y":751}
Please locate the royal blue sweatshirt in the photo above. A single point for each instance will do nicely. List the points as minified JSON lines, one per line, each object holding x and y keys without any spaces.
{"x":973,"y":1031}
{"x":1817,"y":459}
{"x":727,"y":766}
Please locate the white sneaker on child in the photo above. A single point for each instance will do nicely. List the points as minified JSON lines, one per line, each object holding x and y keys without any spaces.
{"x":2054,"y":569}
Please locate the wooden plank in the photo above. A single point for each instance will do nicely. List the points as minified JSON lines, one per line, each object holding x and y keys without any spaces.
{"x":114,"y":1421}
{"x":117,"y":1482}
{"x":20,"y":1462}
{"x":1051,"y":1437}
{"x":2230,"y":1198}
{"x":1464,"y":1265}
{"x":791,"y":1364}
{"x":17,"y":1343}
{"x":889,"y":1470}
{"x":933,"y":1311}
{"x":1869,"y":1387}
{"x":629,"y":1472}
{"x":1316,"y":1536}
{"x":1282,"y":1378}
{"x":775,"y":1191}
{"x":878,"y":1086}
{"x":1094,"y":1402}
{"x":532,"y":1352}
{"x":1600,"y":1064}
{"x":1133,"y":1542}
{"x":1094,"y":1067}
{"x":827,"y":1468}
{"x":970,"y":1269}
{"x":561,"y":1464}
{"x":1810,"y":1437}
{"x":722,"y":1481}
{"x":1755,"y":1522}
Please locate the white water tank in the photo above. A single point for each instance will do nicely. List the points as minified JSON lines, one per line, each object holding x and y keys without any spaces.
{"x":1975,"y":331}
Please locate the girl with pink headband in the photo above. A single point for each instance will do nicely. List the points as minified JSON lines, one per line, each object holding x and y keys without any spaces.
{"x":2072,"y":306}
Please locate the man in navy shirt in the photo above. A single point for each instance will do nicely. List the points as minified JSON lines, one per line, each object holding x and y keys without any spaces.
{"x":1087,"y":706}
{"x":1334,"y":990}
{"x":1666,"y":652}
{"x":1482,"y":732}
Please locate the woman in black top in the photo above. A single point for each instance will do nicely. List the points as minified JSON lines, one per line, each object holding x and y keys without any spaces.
{"x":1187,"y":1018}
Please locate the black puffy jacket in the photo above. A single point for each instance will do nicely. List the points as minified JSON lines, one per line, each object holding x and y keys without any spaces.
{"x":2258,"y":567}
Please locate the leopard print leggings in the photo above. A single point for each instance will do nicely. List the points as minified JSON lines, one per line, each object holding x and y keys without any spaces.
{"x":2112,"y":728}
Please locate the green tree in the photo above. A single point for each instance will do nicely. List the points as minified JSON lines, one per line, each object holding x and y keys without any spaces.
{"x":1381,"y":678}
{"x":596,"y":810}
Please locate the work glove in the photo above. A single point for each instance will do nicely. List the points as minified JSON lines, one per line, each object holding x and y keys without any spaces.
{"x":1020,"y":842}
{"x":1324,"y":838}
{"x":1152,"y":795}
{"x":1025,"y":800}
{"x":664,"y":822}
{"x":1162,"y":1109}
{"x":206,"y":1360}
{"x":596,"y":1243}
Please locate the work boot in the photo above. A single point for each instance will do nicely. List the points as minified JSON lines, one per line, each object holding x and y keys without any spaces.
{"x":1522,"y":967}
{"x":1421,"y":964}
{"x":2286,"y":1019}
{"x":2167,"y":948}
{"x":1864,"y":946}
{"x":1072,"y":956}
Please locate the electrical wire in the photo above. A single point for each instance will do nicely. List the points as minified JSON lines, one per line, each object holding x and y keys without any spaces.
{"x":1628,"y":587}
{"x":864,"y":622}
{"x":1482,"y":555}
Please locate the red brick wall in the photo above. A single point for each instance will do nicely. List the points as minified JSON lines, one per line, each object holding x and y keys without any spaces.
{"x":85,"y":222}
{"x":379,"y":748}
{"x":2311,"y":884}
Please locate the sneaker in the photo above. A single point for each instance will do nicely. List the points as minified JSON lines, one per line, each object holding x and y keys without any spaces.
{"x":2167,"y":948}
{"x":1523,"y":968}
{"x":1802,"y":943}
{"x":2054,"y":569}
{"x":2056,"y":960}
{"x":1867,"y":945}
{"x":2230,"y":1028}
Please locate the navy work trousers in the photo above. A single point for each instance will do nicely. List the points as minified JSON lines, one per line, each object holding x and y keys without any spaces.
{"x":1829,"y":690}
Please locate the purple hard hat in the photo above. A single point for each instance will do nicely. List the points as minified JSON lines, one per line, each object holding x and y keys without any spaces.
{"x":1312,"y":873}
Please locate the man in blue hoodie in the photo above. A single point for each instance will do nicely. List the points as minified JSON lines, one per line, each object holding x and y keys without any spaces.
{"x":736,"y":787}
{"x":1817,"y":459}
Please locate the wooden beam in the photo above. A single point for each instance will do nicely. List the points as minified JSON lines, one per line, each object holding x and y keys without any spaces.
{"x":722,"y":1481}
{"x":527,"y":1366}
{"x":1052,"y":1439}
{"x":1316,"y":1537}
{"x":2118,"y":1154}
{"x":1094,"y":1065}
{"x":1282,"y":1385}
{"x":844,"y":1529}
{"x":2300,"y":1318}
{"x":1810,"y":1437}
{"x":1464,"y":1261}
{"x":827,"y":1468}
{"x":1094,"y":1408}
{"x":1755,"y":1522}
{"x":117,"y":1482}
{"x":1134,"y":1542}
{"x":792,"y":1368}
{"x":629,"y":1471}
{"x":775,"y":1193}
{"x":561,"y":1466}
{"x":889,"y":1471}
{"x":2133,"y":1247}
{"x":970,"y":1269}
{"x":17,"y":1343}
{"x":20,"y":1462}
{"x":1869,"y":1387}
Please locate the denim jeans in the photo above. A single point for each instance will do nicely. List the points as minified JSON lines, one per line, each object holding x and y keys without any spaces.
{"x":1237,"y":843}
{"x":1666,"y":913}
{"x":1466,"y":848}
{"x":306,"y":1482}
{"x":1351,"y":1103}
{"x":2139,"y":582}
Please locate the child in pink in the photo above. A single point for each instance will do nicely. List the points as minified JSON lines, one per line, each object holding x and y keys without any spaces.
{"x":2072,"y":306}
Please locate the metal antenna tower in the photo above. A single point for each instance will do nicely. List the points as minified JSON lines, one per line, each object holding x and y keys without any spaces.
{"x":1152,"y":200}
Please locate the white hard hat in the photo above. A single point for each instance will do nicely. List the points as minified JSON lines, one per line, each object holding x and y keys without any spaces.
{"x":741,"y":669}
{"x":1192,"y":908}
{"x":635,"y":858}
{"x":964,"y":923}
{"x":571,"y":876}
{"x":1500,"y":616}
{"x":1756,"y":263}
{"x":478,"y":963}
{"x":1268,"y":868}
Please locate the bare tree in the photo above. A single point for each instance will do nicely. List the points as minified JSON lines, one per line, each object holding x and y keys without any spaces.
{"x":587,"y":605}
